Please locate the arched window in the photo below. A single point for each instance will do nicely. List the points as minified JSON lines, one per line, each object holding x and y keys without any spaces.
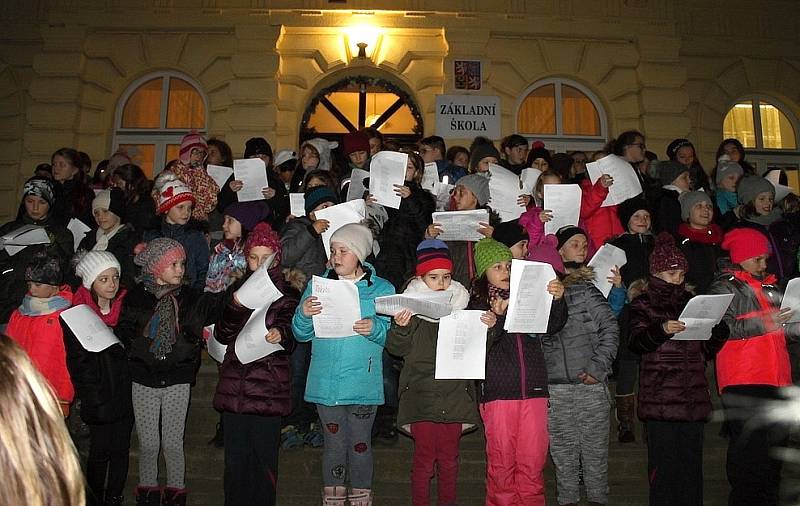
{"x":154,"y":113}
{"x":562,"y":113}
{"x":760,"y":123}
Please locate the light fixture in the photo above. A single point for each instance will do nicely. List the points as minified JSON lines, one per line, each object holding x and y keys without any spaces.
{"x":362,"y":41}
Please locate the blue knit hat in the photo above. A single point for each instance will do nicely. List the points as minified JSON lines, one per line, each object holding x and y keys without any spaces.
{"x":319,"y":195}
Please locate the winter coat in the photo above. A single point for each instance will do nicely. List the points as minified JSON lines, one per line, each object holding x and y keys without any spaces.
{"x":702,"y":250}
{"x":302,"y":248}
{"x":195,"y":311}
{"x":73,"y":200}
{"x":120,"y":245}
{"x":194,"y":244}
{"x":140,"y":214}
{"x":588,"y":341}
{"x":203,"y":187}
{"x":423,"y":398}
{"x":755,"y":353}
{"x":278,"y":205}
{"x":672,"y":377}
{"x":637,"y":248}
{"x":347,"y":370}
{"x":515,"y":364}
{"x":600,"y":223}
{"x":401,"y":234}
{"x":262,"y":387}
{"x":668,"y":212}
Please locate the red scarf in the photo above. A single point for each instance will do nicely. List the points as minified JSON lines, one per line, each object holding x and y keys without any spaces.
{"x":83,"y":296}
{"x":767,"y":308}
{"x":709,"y":235}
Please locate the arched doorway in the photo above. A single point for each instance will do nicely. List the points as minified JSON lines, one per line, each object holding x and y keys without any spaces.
{"x":357,"y":102}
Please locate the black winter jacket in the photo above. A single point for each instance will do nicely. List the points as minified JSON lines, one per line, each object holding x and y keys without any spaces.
{"x":120,"y":245}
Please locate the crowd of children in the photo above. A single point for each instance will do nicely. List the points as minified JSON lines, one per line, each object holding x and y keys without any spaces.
{"x":165,"y":260}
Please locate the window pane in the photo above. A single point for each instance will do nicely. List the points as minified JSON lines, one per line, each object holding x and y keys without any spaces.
{"x":578,"y":114}
{"x":321,"y":120}
{"x":401,"y":122}
{"x":537,"y":115}
{"x":143,"y":108}
{"x":173,"y":153}
{"x":776,"y":128}
{"x":792,"y":177}
{"x":739,"y":124}
{"x":143,"y":155}
{"x":185,"y":108}
{"x":346,"y":103}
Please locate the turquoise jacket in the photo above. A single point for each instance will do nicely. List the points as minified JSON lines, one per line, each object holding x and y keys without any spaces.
{"x":347,"y":370}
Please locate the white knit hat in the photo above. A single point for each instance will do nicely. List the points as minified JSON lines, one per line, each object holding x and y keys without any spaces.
{"x":357,"y":238}
{"x":93,"y":263}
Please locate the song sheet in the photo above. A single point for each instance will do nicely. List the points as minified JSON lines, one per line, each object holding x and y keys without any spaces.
{"x":505,"y":188}
{"x":564,"y":200}
{"x":252,"y":172}
{"x":27,"y":235}
{"x":356,"y":189}
{"x":89,"y":329}
{"x":387,"y":169}
{"x":430,"y":177}
{"x":701,"y":314}
{"x":297,"y":204}
{"x":442,"y":193}
{"x":251,"y":343}
{"x":529,"y":177}
{"x":460,"y":225}
{"x":529,"y":302}
{"x":219,"y":174}
{"x":430,"y":304}
{"x":791,"y":299}
{"x":78,"y":229}
{"x":341,"y":307}
{"x":259,"y":290}
{"x":626,"y":184}
{"x":215,"y":349}
{"x":461,"y":346}
{"x":338,"y":216}
{"x":603,"y":261}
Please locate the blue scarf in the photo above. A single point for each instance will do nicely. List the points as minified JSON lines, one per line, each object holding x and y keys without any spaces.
{"x":37,"y":306}
{"x":726,"y":201}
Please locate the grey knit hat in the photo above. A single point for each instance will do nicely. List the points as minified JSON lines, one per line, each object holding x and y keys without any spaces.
{"x":689,"y":199}
{"x":669,"y":171}
{"x":357,"y":238}
{"x":478,"y":185}
{"x":158,"y":254}
{"x":750,"y":186}
{"x":727,"y":167}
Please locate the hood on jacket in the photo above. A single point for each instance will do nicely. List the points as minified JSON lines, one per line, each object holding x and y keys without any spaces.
{"x":640,"y":286}
{"x":323,"y":147}
{"x":583,"y":274}
{"x":458,"y":300}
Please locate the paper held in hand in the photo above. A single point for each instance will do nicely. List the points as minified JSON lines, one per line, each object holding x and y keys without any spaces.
{"x":338,"y":216}
{"x":603,"y":261}
{"x":460,"y":225}
{"x":259,"y":290}
{"x":387,"y":169}
{"x":251,"y":343}
{"x":505,"y":189}
{"x":89,"y":329}
{"x":701,"y":314}
{"x":356,"y":188}
{"x":430,"y":304}
{"x":430,"y":177}
{"x":529,"y":301}
{"x":78,"y":229}
{"x":461,"y":346}
{"x":252,"y":172}
{"x":626,"y":184}
{"x":27,"y":235}
{"x":529,"y":177}
{"x":219,"y":174}
{"x":297,"y":204}
{"x":215,"y":349}
{"x":791,"y":299}
{"x":564,"y":201}
{"x":341,"y":307}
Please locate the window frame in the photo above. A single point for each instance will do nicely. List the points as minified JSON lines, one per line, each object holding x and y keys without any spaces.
{"x":756,"y":99}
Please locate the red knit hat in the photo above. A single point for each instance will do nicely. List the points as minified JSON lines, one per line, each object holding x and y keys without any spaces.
{"x":666,"y":256}
{"x":744,"y":243}
{"x":191,"y":141}
{"x":355,"y":141}
{"x":263,"y":235}
{"x":433,"y":254}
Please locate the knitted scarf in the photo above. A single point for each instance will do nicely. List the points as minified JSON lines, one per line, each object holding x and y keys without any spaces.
{"x":497,"y":292}
{"x":164,"y":326}
{"x":709,"y":235}
{"x":726,"y":201}
{"x":767,"y":219}
{"x":37,"y":306}
{"x":102,"y":238}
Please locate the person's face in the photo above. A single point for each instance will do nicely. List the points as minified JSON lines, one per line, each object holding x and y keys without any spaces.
{"x":231,"y":228}
{"x":764,"y":202}
{"x":683,"y":182}
{"x":640,"y":222}
{"x":729,"y":182}
{"x":575,"y":249}
{"x":105,"y":219}
{"x":62,"y":169}
{"x":214,"y":156}
{"x":197,"y":156}
{"x":541,"y":164}
{"x":179,"y":214}
{"x":410,"y":170}
{"x":42,"y":290}
{"x":106,"y":284}
{"x":344,"y":261}
{"x":757,"y":266}
{"x":358,"y":158}
{"x":374,"y":145}
{"x":732,"y":152}
{"x":309,"y":158}
{"x":579,"y":163}
{"x":285,"y":173}
{"x":520,"y":250}
{"x":701,"y":214}
{"x":483,"y":165}
{"x":430,"y":154}
{"x":673,"y":276}
{"x":437,"y":279}
{"x":546,"y":178}
{"x":116,"y":181}
{"x":257,"y":256}
{"x":499,"y":274}
{"x":324,"y":205}
{"x":173,"y":273}
{"x":461,"y":160}
{"x":315,"y":182}
{"x":36,"y":207}
{"x":685,"y":156}
{"x":634,"y":152}
{"x":517,"y":154}
{"x":464,"y":199}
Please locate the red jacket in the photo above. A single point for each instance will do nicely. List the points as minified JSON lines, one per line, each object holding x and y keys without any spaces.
{"x":601,"y":223}
{"x":43,"y":340}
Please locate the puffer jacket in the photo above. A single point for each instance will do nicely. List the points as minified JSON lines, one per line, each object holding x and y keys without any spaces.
{"x":600,"y":223}
{"x":302,"y":248}
{"x":262,"y":387}
{"x":588,"y":341}
{"x":347,"y":370}
{"x":672,"y":378}
{"x":194,"y":244}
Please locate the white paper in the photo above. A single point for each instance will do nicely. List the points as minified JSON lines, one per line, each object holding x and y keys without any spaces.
{"x":27,"y":235}
{"x":252,"y":172}
{"x":626,"y":184}
{"x":78,"y":230}
{"x":356,"y":189}
{"x":461,"y":346}
{"x":791,"y":299}
{"x":529,"y":177}
{"x":251,"y":343}
{"x":701,"y":314}
{"x":341,"y":307}
{"x":297,"y":204}
{"x":219,"y":174}
{"x":564,"y":200}
{"x":460,"y":225}
{"x":603,"y":261}
{"x":430,"y":304}
{"x":89,"y":329}
{"x":338,"y":216}
{"x":529,"y":302}
{"x":442,"y":192}
{"x":430,"y":177}
{"x":215,"y":349}
{"x":505,"y":188}
{"x":387,"y":169}
{"x":259,"y":290}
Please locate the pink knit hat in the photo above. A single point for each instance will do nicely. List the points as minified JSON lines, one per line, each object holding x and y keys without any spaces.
{"x":263,"y":235}
{"x":192,"y":140}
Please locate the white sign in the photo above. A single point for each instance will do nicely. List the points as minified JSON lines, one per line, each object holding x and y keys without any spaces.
{"x":467,"y":116}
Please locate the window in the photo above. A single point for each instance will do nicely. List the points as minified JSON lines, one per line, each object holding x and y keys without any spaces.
{"x":771,"y":128}
{"x":153,"y":114}
{"x":562,"y":113}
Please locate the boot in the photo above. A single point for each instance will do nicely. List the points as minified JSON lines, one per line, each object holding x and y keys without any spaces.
{"x":174,"y":497}
{"x":114,"y":500}
{"x":626,"y":405}
{"x":148,"y":496}
{"x":360,"y":497}
{"x":333,"y":496}
{"x":218,"y":441}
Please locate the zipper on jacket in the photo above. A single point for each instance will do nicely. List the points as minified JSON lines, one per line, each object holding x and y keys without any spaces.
{"x":522,"y":376}
{"x":369,"y":367}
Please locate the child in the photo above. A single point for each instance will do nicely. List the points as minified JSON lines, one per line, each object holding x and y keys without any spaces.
{"x":674,"y":401}
{"x":345,"y":378}
{"x":579,"y":358}
{"x":191,"y":170}
{"x":513,"y":397}
{"x":481,"y":156}
{"x":227,"y":263}
{"x":700,"y":239}
{"x":35,"y":327}
{"x":434,"y":412}
{"x":675,"y":181}
{"x":728,"y":175}
{"x":253,"y":397}
{"x":356,"y":151}
{"x":102,"y":380}
{"x":315,"y":154}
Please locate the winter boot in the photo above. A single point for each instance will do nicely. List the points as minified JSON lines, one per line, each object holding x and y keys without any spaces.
{"x":626,"y":407}
{"x":174,"y":497}
{"x":333,"y":496}
{"x":360,"y":497}
{"x":218,"y":441}
{"x":148,"y":496}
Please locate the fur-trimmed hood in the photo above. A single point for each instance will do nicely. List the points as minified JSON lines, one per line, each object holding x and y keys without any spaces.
{"x":459,"y":295}
{"x":295,"y":278}
{"x":583,"y":274}
{"x":640,"y":286}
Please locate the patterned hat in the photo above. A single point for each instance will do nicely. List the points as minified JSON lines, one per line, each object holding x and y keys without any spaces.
{"x":159,"y":254}
{"x":433,"y":254}
{"x":93,"y":263}
{"x":41,"y":187}
{"x":263,"y":235}
{"x":44,"y":268}
{"x":171,"y":191}
{"x":488,"y":252}
{"x":666,"y":256}
{"x":192,"y":140}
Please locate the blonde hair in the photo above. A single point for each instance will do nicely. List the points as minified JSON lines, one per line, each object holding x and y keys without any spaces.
{"x":38,"y":461}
